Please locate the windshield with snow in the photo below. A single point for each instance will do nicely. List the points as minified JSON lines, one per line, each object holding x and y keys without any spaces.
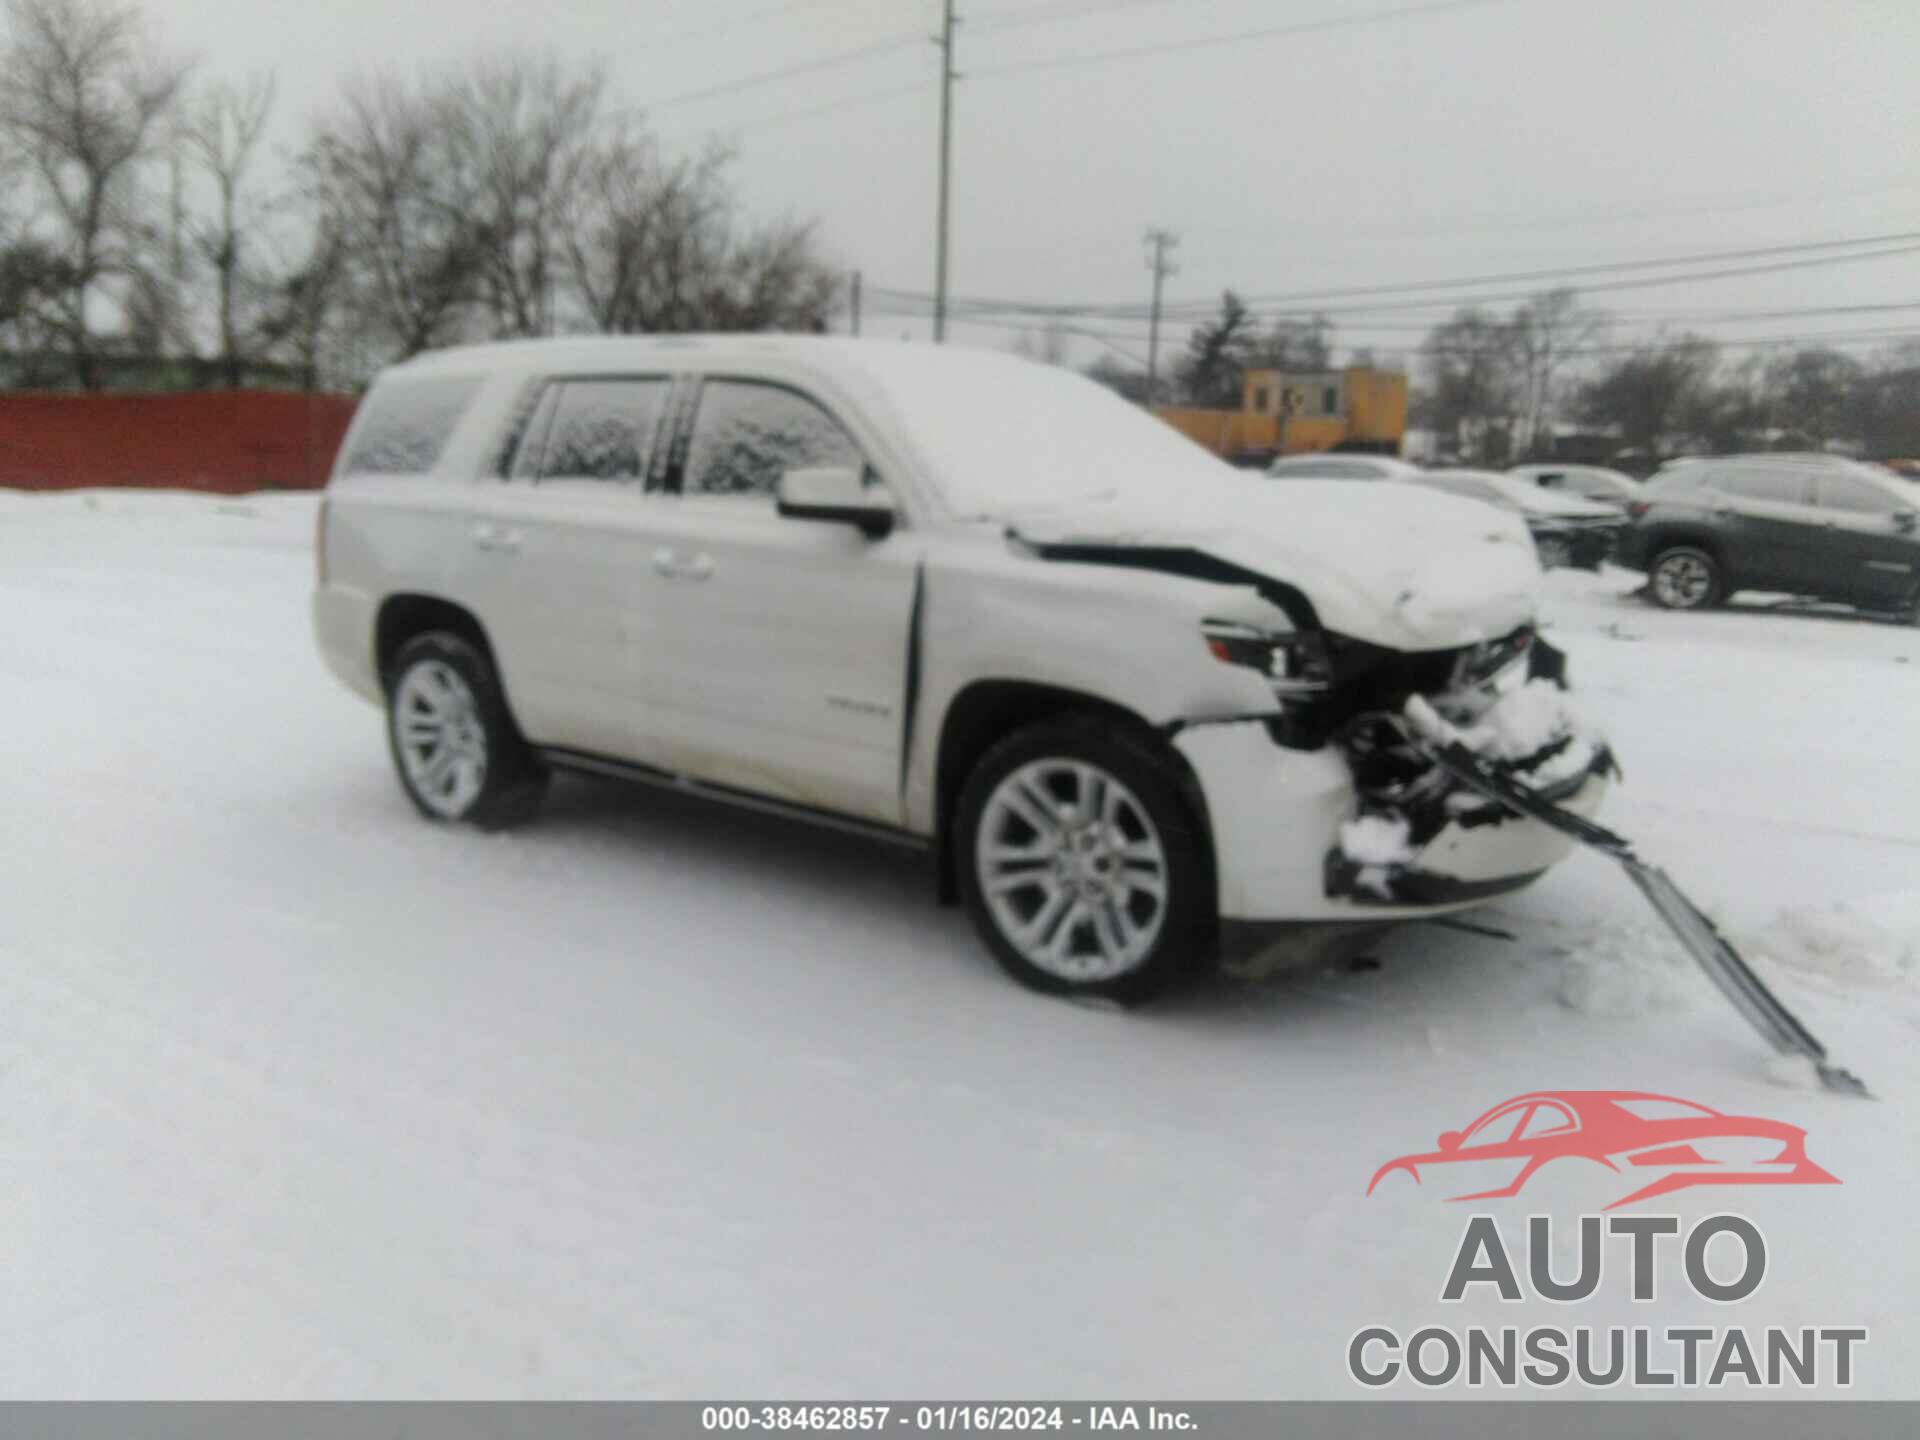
{"x":1001,"y":435}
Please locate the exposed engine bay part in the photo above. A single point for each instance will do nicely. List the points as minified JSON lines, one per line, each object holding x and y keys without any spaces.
{"x":1517,"y":721}
{"x":1451,"y":750}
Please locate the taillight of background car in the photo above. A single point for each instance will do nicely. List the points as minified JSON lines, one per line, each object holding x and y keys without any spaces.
{"x":1638,"y":508}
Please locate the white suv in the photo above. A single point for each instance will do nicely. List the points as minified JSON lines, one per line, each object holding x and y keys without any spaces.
{"x":1137,"y":705}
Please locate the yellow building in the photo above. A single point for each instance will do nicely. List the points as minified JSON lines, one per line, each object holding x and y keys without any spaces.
{"x":1293,"y":412}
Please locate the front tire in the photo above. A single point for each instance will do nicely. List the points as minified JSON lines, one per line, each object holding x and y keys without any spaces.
{"x":1081,"y":865}
{"x":1684,"y":577}
{"x":455,"y":747}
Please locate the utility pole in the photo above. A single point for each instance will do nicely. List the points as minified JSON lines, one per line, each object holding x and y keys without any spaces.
{"x":1160,"y":241}
{"x":945,"y":41}
{"x":856,"y":302}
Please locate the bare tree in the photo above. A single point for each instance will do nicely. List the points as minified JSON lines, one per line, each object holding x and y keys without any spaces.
{"x":1813,"y":391}
{"x":415,"y":229}
{"x":83,"y":98}
{"x":522,"y":129}
{"x":1546,"y":332}
{"x":1293,"y":345}
{"x":1471,"y":386}
{"x":301,"y":312}
{"x":223,"y":133}
{"x":1651,"y":394}
{"x":655,"y":246}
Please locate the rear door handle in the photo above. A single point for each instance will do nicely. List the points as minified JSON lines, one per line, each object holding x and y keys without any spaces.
{"x":676,"y":566}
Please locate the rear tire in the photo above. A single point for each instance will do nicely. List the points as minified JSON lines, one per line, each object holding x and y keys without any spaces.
{"x":1685,"y":577}
{"x":1081,"y":864}
{"x":455,"y":747}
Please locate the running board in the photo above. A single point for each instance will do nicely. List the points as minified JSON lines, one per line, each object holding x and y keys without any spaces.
{"x":638,"y":774}
{"x":1711,"y":950}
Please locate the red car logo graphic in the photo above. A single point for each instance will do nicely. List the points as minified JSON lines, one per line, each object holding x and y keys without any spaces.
{"x":1630,"y":1132}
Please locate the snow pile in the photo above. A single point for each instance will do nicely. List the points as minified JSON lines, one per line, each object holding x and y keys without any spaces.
{"x":1377,"y":843}
{"x":1524,"y":722}
{"x":1845,"y":942}
{"x":1377,"y":840}
{"x":1622,"y":970}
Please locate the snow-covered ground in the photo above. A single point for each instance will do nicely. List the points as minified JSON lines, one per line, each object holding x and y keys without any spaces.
{"x":300,"y":1096}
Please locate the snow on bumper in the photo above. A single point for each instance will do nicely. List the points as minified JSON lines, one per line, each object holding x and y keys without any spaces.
{"x":1312,"y":836}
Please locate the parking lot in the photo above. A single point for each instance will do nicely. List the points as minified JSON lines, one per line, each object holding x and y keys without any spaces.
{"x":306,"y":1097}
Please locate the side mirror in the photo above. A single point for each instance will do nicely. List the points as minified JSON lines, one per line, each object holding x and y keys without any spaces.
{"x":1450,"y":1141}
{"x":836,"y":493}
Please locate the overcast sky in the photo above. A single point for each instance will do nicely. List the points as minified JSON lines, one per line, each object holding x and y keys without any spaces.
{"x":1439,"y":142}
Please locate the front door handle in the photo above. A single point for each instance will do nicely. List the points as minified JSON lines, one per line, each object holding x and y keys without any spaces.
{"x":676,"y":566}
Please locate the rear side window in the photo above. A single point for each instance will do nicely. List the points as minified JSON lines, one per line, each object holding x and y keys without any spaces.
{"x":747,"y":434}
{"x":1844,"y":492}
{"x":594,"y":430}
{"x":1782,"y":486}
{"x":405,"y":424}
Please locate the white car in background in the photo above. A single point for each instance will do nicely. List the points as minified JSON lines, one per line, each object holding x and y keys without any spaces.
{"x":1566,"y":530}
{"x":1589,"y":482}
{"x":1137,"y":706}
{"x":1328,"y":465}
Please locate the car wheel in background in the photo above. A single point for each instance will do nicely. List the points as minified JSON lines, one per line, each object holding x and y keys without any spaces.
{"x":1081,"y":864}
{"x":1684,"y":578}
{"x":455,"y":746}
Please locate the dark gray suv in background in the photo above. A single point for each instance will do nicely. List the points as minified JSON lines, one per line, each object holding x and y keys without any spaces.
{"x":1820,"y":527}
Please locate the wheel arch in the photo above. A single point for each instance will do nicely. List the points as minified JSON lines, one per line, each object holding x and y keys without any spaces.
{"x":1695,"y":537}
{"x":987,"y":711}
{"x":404,"y":615}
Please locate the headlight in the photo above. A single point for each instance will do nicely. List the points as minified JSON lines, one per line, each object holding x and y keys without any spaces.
{"x":1292,"y":664}
{"x":1492,"y":662}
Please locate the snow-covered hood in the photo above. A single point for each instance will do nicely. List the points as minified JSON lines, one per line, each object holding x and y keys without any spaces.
{"x":1392,"y":564}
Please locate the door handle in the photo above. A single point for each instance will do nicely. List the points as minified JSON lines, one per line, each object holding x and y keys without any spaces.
{"x":496,"y":537}
{"x":675,"y":566}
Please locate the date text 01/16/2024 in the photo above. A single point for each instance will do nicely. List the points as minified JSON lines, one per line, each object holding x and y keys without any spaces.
{"x":943,"y":1417}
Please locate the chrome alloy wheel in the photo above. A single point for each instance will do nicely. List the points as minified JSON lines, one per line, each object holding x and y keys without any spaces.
{"x":1072,"y":869}
{"x":1682,"y":581}
{"x":441,"y":738}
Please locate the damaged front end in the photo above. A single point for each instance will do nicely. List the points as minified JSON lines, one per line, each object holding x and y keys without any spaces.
{"x":1507,"y":699}
{"x":1401,"y":832}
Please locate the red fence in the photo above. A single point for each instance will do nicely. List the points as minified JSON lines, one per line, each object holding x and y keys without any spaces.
{"x":221,"y":440}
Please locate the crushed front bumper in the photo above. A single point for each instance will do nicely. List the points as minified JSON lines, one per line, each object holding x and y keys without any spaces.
{"x":1355,"y":830}
{"x":1275,"y":814}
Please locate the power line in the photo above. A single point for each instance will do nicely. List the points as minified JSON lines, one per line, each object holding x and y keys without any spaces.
{"x":1413,"y":330}
{"x":767,"y":122}
{"x":1337,"y":22}
{"x":675,"y":37}
{"x":1806,"y":339}
{"x":1017,"y":19}
{"x":1902,"y":241}
{"x":807,"y":67}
